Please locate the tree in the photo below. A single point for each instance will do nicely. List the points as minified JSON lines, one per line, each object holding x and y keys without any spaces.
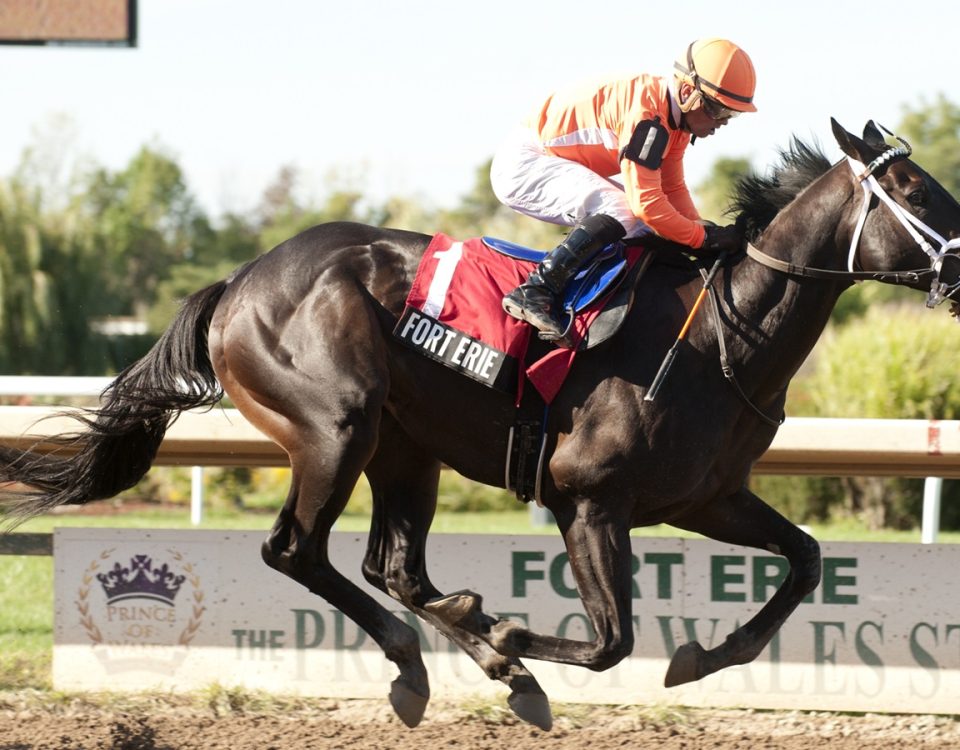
{"x":39,"y":227}
{"x":895,"y":362}
{"x":146,"y":221}
{"x":283,"y":213}
{"x":23,"y":300}
{"x":714,"y":193}
{"x":933,"y":130}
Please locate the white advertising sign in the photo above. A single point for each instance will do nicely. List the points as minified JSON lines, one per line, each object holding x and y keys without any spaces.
{"x":181,"y":610}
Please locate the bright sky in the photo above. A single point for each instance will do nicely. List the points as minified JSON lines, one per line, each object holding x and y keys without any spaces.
{"x":411,"y":97}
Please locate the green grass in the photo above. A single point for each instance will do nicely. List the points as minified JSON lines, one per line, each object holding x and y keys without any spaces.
{"x":517,"y":521}
{"x":26,"y":621}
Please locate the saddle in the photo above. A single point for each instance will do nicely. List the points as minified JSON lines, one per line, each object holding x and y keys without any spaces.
{"x":454,"y":312}
{"x":608,"y":273}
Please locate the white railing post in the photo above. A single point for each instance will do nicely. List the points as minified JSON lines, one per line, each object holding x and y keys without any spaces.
{"x":540,"y":516}
{"x":196,"y":495}
{"x":932,"y":491}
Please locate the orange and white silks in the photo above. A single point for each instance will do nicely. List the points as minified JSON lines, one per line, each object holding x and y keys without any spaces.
{"x":558,"y":166}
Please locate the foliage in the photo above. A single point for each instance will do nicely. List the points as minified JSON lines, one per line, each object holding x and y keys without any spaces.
{"x":713,"y":194}
{"x":24,"y":304}
{"x":803,"y":500}
{"x":894,"y":362}
{"x":856,"y":300}
{"x":144,"y":218}
{"x":84,"y":247}
{"x":283,"y":214}
{"x":933,"y":130}
{"x":461,"y":495}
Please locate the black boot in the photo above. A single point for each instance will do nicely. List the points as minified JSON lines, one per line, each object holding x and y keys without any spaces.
{"x":535,"y":300}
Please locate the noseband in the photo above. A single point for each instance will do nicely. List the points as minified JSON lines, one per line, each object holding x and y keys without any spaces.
{"x":939,"y":291}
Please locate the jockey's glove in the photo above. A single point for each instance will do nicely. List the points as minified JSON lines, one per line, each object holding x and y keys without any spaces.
{"x":716,"y":239}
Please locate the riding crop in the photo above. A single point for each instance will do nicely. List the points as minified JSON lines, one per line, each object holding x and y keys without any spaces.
{"x":672,"y":354}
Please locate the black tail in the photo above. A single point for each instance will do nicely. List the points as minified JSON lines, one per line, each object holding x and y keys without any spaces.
{"x":122,"y":436}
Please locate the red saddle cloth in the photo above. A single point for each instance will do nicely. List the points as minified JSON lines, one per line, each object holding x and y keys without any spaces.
{"x":454,"y":315}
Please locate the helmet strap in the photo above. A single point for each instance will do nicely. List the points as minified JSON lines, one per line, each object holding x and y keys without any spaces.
{"x":689,"y":77}
{"x":693,"y":99}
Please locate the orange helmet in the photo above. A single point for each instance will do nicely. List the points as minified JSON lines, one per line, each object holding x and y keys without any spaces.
{"x":719,"y":70}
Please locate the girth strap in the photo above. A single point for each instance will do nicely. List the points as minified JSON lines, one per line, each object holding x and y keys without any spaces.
{"x":886,"y":277}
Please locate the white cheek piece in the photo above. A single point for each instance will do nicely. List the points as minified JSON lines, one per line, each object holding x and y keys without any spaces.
{"x":939,"y":291}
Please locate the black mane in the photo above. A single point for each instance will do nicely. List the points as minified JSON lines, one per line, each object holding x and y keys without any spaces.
{"x":757,"y":199}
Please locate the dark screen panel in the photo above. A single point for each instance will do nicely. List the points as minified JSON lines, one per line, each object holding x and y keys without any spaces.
{"x":69,"y":22}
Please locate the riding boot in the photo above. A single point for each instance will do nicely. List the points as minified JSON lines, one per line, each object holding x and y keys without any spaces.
{"x":536,"y":300}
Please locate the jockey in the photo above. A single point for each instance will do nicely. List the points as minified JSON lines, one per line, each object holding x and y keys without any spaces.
{"x":558,"y":166}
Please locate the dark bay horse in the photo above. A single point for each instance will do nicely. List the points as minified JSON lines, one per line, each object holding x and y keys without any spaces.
{"x":300,"y":339}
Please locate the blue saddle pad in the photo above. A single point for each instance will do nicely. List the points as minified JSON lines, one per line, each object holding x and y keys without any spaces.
{"x":593,"y":280}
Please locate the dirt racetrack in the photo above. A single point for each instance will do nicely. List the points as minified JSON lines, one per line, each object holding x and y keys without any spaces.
{"x":368,"y":725}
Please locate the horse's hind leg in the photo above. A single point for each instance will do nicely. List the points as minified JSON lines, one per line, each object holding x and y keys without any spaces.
{"x":300,"y":352}
{"x":745,"y":520}
{"x":298,"y":547}
{"x":404,"y":484}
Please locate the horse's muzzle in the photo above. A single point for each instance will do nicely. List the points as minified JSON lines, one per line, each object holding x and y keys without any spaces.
{"x":949,"y":275}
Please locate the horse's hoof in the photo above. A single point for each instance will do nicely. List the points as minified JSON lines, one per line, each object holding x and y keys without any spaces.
{"x":533,"y":708}
{"x":685,"y":665}
{"x":407,"y":704}
{"x":455,"y":608}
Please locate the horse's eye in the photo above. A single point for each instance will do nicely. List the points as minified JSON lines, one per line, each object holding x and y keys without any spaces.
{"x":917,"y":198}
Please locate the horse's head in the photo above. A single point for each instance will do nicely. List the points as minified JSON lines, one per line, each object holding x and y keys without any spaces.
{"x":914,"y":224}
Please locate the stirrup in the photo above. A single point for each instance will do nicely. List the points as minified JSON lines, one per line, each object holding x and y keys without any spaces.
{"x":539,"y":316}
{"x":562,"y":338}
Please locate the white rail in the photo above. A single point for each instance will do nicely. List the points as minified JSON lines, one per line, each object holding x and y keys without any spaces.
{"x":50,"y":385}
{"x":822,"y":447}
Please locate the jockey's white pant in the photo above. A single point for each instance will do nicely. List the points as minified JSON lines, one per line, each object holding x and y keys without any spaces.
{"x":529,"y":180}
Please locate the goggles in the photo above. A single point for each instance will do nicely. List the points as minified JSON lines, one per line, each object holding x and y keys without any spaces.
{"x":715,"y":110}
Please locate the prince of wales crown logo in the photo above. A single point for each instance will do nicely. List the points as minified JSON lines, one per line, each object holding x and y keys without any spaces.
{"x":140,"y":581}
{"x":147,"y":604}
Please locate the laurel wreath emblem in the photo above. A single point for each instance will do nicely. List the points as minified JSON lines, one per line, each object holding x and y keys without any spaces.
{"x":197,"y":608}
{"x":83,"y":606}
{"x":89,"y":625}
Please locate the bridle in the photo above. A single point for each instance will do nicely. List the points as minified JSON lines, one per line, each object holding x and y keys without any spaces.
{"x":939,"y":290}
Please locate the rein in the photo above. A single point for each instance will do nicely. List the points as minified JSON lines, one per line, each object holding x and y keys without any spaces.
{"x":725,"y":360}
{"x":792,"y":269}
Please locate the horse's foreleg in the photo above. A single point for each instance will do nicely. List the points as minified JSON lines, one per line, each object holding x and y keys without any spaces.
{"x":404,"y":485}
{"x":744,"y":519}
{"x":599,"y":550}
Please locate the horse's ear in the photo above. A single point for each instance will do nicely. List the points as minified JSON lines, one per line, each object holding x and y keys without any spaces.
{"x":851,"y":145}
{"x":873,"y":137}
